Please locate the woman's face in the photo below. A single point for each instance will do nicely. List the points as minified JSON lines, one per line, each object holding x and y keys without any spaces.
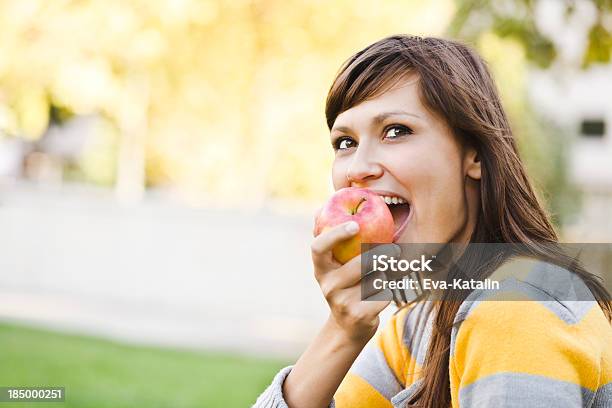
{"x":393,"y":145}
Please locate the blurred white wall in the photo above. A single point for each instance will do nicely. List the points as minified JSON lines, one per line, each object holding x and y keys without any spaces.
{"x":570,"y":96}
{"x":157,"y":273}
{"x":581,"y":97}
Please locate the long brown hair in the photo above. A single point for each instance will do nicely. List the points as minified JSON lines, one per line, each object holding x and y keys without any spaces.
{"x":454,"y":82}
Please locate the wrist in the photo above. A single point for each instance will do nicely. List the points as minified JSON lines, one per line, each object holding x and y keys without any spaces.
{"x":318,"y":373}
{"x":344,"y":339}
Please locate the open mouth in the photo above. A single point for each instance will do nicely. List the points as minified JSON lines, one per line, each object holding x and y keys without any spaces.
{"x":400,"y":210}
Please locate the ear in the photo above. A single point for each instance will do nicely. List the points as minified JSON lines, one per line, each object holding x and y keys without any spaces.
{"x":471,"y":163}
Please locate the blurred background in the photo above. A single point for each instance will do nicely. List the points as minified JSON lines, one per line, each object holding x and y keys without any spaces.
{"x":160,"y":163}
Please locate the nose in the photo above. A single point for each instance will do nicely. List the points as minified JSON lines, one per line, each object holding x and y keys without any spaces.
{"x":364,"y":167}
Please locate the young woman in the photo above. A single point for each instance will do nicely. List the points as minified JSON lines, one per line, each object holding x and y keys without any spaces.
{"x":420,"y":119}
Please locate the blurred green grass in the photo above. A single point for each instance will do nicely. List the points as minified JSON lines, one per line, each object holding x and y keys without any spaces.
{"x":102,"y":373}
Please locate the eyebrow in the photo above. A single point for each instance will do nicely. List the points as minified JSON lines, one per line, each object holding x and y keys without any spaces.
{"x":378,"y":119}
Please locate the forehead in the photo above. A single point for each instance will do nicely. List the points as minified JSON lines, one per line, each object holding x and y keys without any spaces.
{"x":402,"y":96}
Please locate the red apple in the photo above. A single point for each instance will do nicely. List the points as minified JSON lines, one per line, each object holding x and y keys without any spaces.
{"x":366,"y":208}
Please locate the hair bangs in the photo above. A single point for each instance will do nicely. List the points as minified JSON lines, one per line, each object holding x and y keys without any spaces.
{"x":362,"y":78}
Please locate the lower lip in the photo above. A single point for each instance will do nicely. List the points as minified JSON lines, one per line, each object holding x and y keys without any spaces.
{"x":401,"y":229}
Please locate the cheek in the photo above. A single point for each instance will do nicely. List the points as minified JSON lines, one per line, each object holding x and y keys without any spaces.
{"x":338,"y":174}
{"x":429,"y":170}
{"x":434,"y":178}
{"x":445,"y":189}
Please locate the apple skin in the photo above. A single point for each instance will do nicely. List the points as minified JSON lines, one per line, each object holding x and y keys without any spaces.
{"x":366,"y":208}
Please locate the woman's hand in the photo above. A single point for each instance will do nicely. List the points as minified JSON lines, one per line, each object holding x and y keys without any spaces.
{"x":319,"y":371}
{"x":341,"y":284}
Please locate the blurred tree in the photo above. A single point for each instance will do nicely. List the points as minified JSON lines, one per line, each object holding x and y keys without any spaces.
{"x":223,"y":98}
{"x":517,"y":19}
{"x":498,"y":27}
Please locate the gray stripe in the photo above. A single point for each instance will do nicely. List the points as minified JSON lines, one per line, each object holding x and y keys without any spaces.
{"x":507,"y":390}
{"x":272,"y":397}
{"x":547,"y":282}
{"x":570,"y":311}
{"x":417,"y":330}
{"x":603,"y":396}
{"x":399,"y":401}
{"x":372,"y":366}
{"x":564,"y":286}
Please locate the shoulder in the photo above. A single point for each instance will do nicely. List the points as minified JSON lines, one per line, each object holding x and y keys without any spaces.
{"x":541,"y":327}
{"x":563,"y":294}
{"x":534,"y":299}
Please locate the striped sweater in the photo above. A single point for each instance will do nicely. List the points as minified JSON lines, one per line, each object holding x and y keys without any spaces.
{"x":537,"y":351}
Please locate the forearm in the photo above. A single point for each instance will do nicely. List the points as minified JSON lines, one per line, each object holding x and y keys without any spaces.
{"x":319,"y":371}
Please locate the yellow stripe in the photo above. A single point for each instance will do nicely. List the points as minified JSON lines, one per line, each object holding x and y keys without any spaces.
{"x":390,"y":342}
{"x":413,"y":372}
{"x":526,"y":337}
{"x":354,"y":391}
{"x":596,"y":323}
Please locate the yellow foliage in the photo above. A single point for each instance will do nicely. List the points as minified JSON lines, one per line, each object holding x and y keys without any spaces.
{"x":226,"y":96}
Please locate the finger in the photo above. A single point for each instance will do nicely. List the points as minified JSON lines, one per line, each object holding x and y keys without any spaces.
{"x":372,"y":287}
{"x":379,"y":252}
{"x":322,"y":244}
{"x":351,"y":298}
{"x":373,"y":307}
{"x":372,"y":284}
{"x":355,"y":270}
{"x":352,"y":272}
{"x":350,"y":275}
{"x":347,"y":278}
{"x":314,"y":224}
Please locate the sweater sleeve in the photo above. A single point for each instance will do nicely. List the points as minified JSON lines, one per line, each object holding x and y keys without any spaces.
{"x":273,"y":397}
{"x":528,"y":353}
{"x":376,"y":376}
{"x":379,"y":373}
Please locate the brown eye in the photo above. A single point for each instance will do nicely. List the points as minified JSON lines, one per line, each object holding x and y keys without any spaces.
{"x":344,"y":143}
{"x":396,"y":131}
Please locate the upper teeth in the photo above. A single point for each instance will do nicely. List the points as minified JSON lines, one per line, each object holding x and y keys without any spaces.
{"x":393,"y":200}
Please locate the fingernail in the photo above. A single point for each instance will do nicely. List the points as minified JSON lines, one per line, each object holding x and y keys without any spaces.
{"x":352,"y":227}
